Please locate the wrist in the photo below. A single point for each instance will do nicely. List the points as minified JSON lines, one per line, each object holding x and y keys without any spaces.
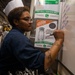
{"x":60,"y":41}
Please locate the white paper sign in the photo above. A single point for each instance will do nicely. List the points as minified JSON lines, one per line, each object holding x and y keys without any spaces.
{"x":44,"y":33}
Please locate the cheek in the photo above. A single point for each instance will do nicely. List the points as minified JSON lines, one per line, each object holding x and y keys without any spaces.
{"x":24,"y":24}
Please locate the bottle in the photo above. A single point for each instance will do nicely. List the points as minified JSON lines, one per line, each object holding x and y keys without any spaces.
{"x":41,"y":34}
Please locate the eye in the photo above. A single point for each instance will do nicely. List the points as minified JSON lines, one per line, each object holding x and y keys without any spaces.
{"x":26,"y":19}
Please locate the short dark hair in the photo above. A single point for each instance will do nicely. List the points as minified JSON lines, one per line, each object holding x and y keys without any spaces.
{"x":16,"y":13}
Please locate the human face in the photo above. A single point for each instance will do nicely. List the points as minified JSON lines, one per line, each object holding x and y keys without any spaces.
{"x":24,"y":23}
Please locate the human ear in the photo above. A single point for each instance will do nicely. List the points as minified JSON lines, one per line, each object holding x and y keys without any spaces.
{"x":15,"y":22}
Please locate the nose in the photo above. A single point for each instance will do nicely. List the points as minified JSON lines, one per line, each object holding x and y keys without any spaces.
{"x":30,"y":21}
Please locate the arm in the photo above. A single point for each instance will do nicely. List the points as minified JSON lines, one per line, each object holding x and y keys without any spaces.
{"x":51,"y":54}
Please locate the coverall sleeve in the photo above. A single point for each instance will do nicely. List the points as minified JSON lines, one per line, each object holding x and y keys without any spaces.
{"x":27,"y":54}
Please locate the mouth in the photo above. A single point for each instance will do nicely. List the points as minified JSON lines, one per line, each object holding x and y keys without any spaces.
{"x":29,"y":26}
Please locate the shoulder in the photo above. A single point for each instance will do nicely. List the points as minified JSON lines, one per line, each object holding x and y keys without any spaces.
{"x":16,"y":35}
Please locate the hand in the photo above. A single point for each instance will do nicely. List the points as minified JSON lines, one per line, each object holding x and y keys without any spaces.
{"x":59,"y":35}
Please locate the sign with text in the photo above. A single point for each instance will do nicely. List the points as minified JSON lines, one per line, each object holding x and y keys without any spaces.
{"x":51,"y":1}
{"x":44,"y":33}
{"x":47,"y":11}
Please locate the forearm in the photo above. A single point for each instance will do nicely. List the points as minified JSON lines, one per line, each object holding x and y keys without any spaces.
{"x":51,"y":54}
